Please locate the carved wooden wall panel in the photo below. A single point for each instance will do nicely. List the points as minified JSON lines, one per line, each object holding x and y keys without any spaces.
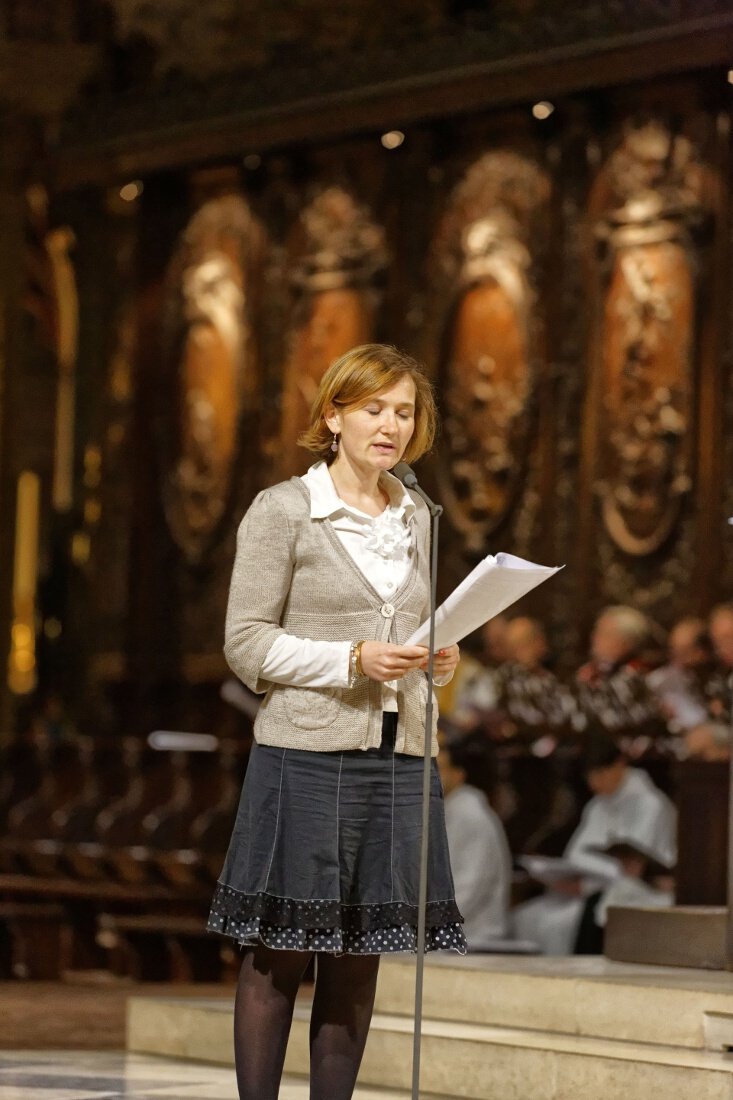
{"x":648,"y":333}
{"x":488,"y":370}
{"x":335,"y":259}
{"x":209,"y":340}
{"x":651,"y":218}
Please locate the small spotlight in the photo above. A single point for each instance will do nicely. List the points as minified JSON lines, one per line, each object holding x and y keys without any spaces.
{"x":252,"y":161}
{"x":543,"y":109}
{"x":131,"y":191}
{"x":392,"y":139}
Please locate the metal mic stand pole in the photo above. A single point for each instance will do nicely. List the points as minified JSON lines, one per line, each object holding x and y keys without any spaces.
{"x":435,"y":512}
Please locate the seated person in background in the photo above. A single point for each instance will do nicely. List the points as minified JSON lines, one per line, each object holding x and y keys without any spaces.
{"x":625,"y":804}
{"x":479,"y":853}
{"x":643,"y":881}
{"x":533,"y":700}
{"x":472,"y":697}
{"x":711,"y":739}
{"x":680,"y":685}
{"x":611,"y":688}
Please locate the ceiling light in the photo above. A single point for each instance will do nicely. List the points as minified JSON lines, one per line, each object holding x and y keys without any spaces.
{"x":131,"y":191}
{"x":392,"y":139}
{"x":543,"y":109}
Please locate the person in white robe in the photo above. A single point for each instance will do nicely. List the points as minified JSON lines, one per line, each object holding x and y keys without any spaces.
{"x":479,"y":852}
{"x":626,"y":804}
{"x":643,"y":882}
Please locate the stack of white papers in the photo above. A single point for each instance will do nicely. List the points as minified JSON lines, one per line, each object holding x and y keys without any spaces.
{"x":495,"y":584}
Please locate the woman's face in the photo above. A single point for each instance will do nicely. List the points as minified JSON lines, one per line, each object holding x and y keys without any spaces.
{"x":376,"y":434}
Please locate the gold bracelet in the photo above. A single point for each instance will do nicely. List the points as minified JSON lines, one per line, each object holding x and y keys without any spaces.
{"x":357,"y":659}
{"x":355,"y":669}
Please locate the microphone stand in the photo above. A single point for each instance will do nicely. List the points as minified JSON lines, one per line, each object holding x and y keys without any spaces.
{"x":435,"y":513}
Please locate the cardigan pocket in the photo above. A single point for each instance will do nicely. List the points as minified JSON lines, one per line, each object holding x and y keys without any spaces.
{"x":310,"y":708}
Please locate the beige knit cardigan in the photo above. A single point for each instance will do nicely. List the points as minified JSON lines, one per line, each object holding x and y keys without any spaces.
{"x":293,"y":575}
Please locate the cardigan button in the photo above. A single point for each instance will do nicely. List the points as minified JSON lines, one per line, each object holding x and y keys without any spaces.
{"x":387,"y":610}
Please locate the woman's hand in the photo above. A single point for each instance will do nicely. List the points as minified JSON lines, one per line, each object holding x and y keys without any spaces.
{"x":384,"y":661}
{"x":444,"y":662}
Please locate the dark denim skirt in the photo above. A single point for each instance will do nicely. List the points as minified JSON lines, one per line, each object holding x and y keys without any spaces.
{"x":325,"y":854}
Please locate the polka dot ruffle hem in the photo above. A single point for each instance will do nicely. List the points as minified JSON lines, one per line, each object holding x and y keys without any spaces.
{"x":290,"y":925}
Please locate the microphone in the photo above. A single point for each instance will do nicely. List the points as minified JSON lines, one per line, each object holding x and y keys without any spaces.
{"x":408,"y":477}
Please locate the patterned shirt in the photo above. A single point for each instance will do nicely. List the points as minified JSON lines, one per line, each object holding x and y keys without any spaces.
{"x":618,"y":697}
{"x":536,"y":698}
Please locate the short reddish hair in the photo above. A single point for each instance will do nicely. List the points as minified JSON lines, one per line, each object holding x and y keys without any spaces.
{"x":358,"y":376}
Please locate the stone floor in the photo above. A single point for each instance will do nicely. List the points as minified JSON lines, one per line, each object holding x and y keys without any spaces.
{"x":94,"y":1075}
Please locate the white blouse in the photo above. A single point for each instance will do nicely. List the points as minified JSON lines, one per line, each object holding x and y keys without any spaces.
{"x":382,"y":547}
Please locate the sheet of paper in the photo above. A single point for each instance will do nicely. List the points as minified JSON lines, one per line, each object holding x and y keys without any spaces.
{"x":495,"y":584}
{"x":551,"y":869}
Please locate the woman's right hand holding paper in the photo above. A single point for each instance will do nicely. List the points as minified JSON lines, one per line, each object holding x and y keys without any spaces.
{"x":385,"y":661}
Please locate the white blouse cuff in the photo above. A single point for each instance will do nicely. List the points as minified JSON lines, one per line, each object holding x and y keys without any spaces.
{"x":302,"y":662}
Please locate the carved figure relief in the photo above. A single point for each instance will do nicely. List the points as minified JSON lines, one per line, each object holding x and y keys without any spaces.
{"x":648,"y":259}
{"x":484,"y":258}
{"x":209,"y":342}
{"x":338,"y":256}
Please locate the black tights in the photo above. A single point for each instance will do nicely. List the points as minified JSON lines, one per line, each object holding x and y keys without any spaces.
{"x":342,"y":1010}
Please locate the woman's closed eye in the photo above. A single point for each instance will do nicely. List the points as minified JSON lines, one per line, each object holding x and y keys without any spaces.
{"x":403,"y":414}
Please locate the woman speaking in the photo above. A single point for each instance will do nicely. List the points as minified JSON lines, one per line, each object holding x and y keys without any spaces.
{"x":331,"y":576}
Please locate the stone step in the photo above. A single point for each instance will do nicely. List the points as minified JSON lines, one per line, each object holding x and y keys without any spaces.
{"x":586,"y":996}
{"x":683,"y":935}
{"x":493,"y":1063}
{"x":459,"y":1060}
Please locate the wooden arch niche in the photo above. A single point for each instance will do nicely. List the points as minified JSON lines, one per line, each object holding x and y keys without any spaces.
{"x":336,"y":259}
{"x":485,"y":260}
{"x":650,"y":222}
{"x":212,"y":363}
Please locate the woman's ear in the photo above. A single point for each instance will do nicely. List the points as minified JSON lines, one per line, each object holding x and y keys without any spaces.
{"x":332,"y":418}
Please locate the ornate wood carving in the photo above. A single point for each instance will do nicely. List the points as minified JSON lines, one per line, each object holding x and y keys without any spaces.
{"x":647,"y":206}
{"x":200,"y":39}
{"x":338,"y":254}
{"x":483,"y":258}
{"x":208,"y":343}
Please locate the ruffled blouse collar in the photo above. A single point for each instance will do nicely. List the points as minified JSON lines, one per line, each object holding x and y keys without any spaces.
{"x":389,"y":533}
